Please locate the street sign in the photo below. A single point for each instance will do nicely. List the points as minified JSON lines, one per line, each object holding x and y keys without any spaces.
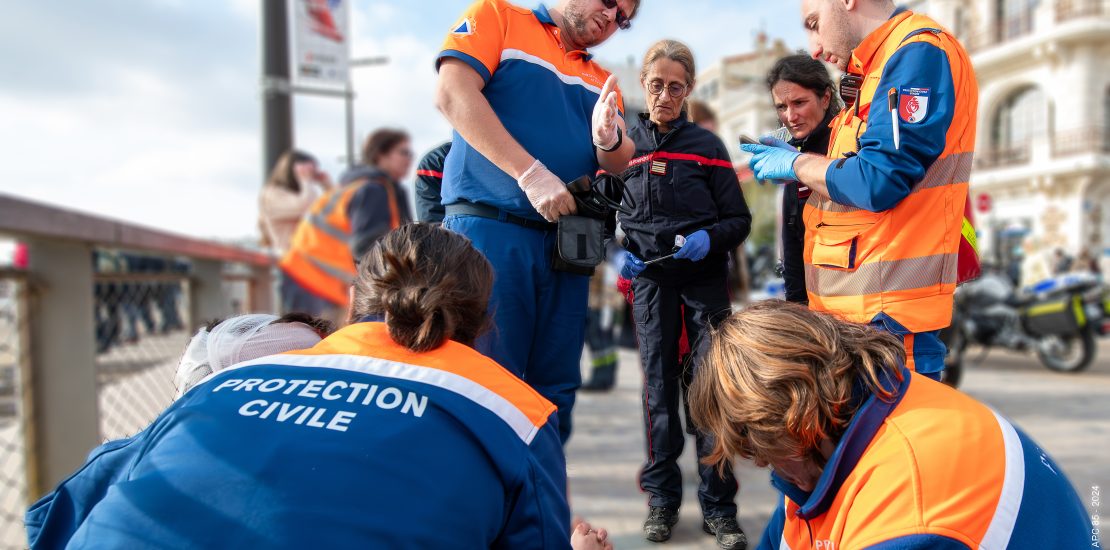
{"x":983,"y":203}
{"x":319,"y":39}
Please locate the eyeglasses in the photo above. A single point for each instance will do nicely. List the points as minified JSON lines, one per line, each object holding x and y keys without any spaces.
{"x":674,"y":89}
{"x":624,"y":22}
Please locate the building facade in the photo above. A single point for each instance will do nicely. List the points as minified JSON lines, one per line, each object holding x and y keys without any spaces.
{"x":1042,"y":164}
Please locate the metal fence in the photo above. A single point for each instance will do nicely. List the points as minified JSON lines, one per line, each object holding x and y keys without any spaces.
{"x":16,"y":474}
{"x":143,"y":323}
{"x":91,"y":330}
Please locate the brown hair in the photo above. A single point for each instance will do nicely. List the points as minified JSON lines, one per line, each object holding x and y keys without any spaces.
{"x":381,"y":142}
{"x":809,"y":73}
{"x":282,"y":175}
{"x":778,"y":379}
{"x":675,"y":51}
{"x":429,"y":282}
{"x":700,"y":112}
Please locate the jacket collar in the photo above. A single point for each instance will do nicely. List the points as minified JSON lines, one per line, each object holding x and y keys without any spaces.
{"x":681,"y":121}
{"x":857,"y":437}
{"x":544,"y":17}
{"x":864,"y":54}
{"x":363,"y":171}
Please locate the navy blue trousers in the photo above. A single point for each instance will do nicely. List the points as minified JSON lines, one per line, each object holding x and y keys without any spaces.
{"x":657,"y":310}
{"x":539,"y":315}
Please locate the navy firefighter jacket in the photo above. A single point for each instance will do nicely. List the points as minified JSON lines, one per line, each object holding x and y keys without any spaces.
{"x":676,"y":184}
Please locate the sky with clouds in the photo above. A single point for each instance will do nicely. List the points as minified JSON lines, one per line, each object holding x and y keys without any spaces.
{"x":149,"y":111}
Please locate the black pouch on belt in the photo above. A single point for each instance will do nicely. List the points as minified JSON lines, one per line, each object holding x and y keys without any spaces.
{"x":580,"y":239}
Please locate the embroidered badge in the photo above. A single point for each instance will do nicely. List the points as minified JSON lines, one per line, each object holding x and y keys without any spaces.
{"x":913,"y":104}
{"x":464,"y":28}
{"x":659,"y":167}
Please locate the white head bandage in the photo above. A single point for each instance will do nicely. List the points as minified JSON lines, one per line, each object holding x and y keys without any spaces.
{"x":236,"y":340}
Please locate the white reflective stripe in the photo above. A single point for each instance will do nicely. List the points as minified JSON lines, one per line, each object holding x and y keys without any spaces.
{"x":465,"y":387}
{"x":567,"y":79}
{"x":1013,"y":488}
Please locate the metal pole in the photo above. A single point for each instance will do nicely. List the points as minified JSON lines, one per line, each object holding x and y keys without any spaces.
{"x":350,"y":104}
{"x":350,"y":100}
{"x":277,"y":103}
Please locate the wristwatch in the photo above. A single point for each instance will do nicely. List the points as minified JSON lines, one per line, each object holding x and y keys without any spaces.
{"x":620,"y":140}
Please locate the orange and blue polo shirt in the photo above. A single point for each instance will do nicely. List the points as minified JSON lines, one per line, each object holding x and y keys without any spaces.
{"x":931,"y":469}
{"x":543,"y":94}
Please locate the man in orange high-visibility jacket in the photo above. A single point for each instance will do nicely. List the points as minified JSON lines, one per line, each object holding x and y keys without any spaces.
{"x":884,"y":227}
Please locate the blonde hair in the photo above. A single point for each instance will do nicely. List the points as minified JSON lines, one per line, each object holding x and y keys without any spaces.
{"x":779,"y":379}
{"x":675,"y":51}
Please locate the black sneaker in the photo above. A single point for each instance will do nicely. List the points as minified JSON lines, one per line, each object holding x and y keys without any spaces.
{"x":729,"y":534}
{"x":659,"y":523}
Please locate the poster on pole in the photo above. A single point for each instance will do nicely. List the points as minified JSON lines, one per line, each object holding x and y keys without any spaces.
{"x":319,"y":37}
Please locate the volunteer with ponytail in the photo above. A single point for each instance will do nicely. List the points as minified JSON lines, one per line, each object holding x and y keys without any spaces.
{"x":393,"y":434}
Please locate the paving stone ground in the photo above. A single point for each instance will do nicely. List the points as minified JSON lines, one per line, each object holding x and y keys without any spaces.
{"x":1068,"y":414}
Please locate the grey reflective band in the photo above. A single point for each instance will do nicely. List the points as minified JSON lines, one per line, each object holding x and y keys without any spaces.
{"x":885,"y":276}
{"x":950,"y":170}
{"x":320,"y":222}
{"x":331,"y":271}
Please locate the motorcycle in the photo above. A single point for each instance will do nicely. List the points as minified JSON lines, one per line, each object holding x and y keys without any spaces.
{"x":1059,"y":319}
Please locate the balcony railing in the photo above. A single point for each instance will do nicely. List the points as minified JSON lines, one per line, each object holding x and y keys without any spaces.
{"x":1079,"y":141}
{"x":1003,"y":31}
{"x":1075,"y":9}
{"x":1001,"y":157}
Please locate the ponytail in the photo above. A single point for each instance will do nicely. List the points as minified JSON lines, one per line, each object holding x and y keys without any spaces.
{"x":429,"y":283}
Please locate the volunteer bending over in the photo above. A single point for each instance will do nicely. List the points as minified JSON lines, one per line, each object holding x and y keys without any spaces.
{"x":390,"y":434}
{"x":867,"y":453}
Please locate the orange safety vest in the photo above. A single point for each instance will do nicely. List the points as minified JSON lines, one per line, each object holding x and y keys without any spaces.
{"x":903,"y":261}
{"x":319,"y":257}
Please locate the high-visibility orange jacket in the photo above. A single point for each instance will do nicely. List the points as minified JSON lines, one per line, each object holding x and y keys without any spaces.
{"x":320,"y":256}
{"x":888,"y":240}
{"x":933,"y":469}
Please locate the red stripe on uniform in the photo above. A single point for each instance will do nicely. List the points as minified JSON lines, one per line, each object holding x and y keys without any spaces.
{"x":431,"y":173}
{"x":680,"y":156}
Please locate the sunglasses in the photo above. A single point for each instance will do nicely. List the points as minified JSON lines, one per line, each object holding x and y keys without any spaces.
{"x":623,"y":21}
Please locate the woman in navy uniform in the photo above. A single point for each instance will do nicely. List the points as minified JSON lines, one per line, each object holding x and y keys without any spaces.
{"x":680,"y":183}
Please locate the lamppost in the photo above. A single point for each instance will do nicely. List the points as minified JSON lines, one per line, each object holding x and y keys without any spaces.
{"x":349,"y":95}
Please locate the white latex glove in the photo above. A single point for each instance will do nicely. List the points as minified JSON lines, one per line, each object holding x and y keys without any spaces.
{"x":605,"y":115}
{"x":547,"y":193}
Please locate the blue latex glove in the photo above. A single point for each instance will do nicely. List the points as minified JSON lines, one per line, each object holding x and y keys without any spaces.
{"x":696,"y":247}
{"x":770,"y":162}
{"x":633,"y":266}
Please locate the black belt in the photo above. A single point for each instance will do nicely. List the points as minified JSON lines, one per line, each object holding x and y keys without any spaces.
{"x":490,"y":212}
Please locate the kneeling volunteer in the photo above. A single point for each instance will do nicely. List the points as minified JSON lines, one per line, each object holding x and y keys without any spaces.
{"x":383,"y":435}
{"x":868,"y":454}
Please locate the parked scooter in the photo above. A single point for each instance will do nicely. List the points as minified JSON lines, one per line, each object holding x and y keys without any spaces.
{"x":1059,"y":319}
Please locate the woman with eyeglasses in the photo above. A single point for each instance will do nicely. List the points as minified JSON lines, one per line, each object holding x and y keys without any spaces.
{"x":342,"y":225}
{"x":687,"y":213}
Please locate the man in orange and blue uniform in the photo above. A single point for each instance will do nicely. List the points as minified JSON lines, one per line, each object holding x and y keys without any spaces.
{"x":531,"y":110}
{"x":885,"y":222}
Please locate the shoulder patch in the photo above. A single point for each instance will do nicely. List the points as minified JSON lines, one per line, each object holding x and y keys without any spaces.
{"x":464,"y":27}
{"x":913,"y":104}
